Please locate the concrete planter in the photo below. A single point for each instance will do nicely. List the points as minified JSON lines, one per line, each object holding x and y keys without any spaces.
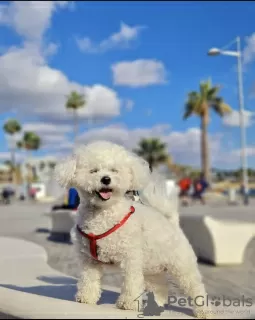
{"x":62,"y":222}
{"x":217,"y":241}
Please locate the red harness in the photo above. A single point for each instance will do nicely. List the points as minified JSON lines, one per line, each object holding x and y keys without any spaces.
{"x":93,"y":238}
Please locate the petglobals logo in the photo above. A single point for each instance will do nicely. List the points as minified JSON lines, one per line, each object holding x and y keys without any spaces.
{"x":201,"y":301}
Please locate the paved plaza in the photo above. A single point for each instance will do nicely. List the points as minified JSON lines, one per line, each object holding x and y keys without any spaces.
{"x":27,"y":221}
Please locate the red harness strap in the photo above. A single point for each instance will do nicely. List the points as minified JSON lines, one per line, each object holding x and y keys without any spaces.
{"x":93,"y":238}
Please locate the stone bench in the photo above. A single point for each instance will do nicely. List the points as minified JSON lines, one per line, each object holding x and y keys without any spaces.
{"x":30,"y":289}
{"x":218,"y":241}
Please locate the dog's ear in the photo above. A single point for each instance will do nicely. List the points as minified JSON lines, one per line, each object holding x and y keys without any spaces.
{"x":141,"y":173}
{"x":65,"y":171}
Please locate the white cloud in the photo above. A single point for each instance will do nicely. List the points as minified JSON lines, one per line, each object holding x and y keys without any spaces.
{"x":35,"y":160}
{"x":4,"y":14}
{"x":183,"y":146}
{"x":62,"y":147}
{"x":121,"y":39}
{"x":139,"y":73}
{"x":85,"y":45}
{"x":233,"y":119}
{"x":29,"y":84}
{"x":53,"y":136}
{"x":129,"y":104}
{"x":249,"y":50}
{"x":250,"y":152}
{"x":5,"y":156}
{"x":46,"y":128}
{"x":122,"y":135}
{"x":51,"y":49}
{"x":33,"y":89}
{"x":30,"y":19}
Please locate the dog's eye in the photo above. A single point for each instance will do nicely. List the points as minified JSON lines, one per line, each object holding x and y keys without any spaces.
{"x":93,"y":170}
{"x":114,"y":170}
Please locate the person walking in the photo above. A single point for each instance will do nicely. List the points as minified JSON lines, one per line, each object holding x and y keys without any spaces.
{"x":200,"y":186}
{"x":184,"y":185}
{"x":6,"y":196}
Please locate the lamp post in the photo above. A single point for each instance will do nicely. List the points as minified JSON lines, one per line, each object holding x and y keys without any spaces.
{"x":238,"y":55}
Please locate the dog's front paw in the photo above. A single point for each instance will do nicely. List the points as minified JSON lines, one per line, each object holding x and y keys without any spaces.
{"x":82,"y":297}
{"x":127,"y":303}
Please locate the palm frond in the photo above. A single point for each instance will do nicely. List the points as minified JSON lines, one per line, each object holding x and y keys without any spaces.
{"x":204,"y":88}
{"x":220,"y":107}
{"x":75,"y":100}
{"x":30,"y":141}
{"x":192,"y":107}
{"x":188,"y":111}
{"x":20,"y":144}
{"x":161,"y":158}
{"x":207,"y":97}
{"x":193,"y":95}
{"x":212,"y":92}
{"x":12,"y":126}
{"x":153,"y":150}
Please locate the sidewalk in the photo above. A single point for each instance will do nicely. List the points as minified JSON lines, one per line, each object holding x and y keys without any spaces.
{"x":29,"y":288}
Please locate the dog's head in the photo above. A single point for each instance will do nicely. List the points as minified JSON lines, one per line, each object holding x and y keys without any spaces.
{"x":103,"y":172}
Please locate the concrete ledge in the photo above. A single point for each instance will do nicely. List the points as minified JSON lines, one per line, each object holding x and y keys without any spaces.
{"x":220,"y":242}
{"x":30,"y":289}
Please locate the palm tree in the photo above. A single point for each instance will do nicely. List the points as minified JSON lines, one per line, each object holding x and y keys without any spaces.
{"x":12,"y":127}
{"x":153,"y":151}
{"x":8,"y":163}
{"x":42,"y":165}
{"x":52,"y":164}
{"x":30,"y":142}
{"x":199,"y":104}
{"x":75,"y":101}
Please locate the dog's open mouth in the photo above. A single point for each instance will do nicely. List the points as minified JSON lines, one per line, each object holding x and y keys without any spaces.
{"x":104,"y":194}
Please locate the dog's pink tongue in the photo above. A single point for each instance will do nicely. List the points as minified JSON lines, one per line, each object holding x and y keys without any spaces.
{"x":105,"y":194}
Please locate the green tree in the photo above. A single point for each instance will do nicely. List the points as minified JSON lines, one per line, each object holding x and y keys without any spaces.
{"x":237,"y":173}
{"x":8,"y":163}
{"x":200,"y":103}
{"x":75,"y":101}
{"x":11,"y":128}
{"x":42,"y":165}
{"x":153,"y":151}
{"x":220,"y":176}
{"x":30,"y":142}
{"x":51,"y":164}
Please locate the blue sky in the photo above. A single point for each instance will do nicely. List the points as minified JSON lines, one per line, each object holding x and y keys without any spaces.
{"x":135,"y":61}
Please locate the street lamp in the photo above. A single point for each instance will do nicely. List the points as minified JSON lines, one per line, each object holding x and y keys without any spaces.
{"x":214,"y":52}
{"x":238,"y":55}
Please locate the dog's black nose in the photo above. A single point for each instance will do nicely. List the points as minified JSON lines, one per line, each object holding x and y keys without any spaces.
{"x":106,"y":180}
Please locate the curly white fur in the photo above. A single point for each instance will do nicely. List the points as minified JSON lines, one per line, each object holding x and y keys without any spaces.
{"x":149,"y":246}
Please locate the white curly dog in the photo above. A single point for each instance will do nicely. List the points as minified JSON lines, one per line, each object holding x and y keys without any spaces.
{"x":144,"y":240}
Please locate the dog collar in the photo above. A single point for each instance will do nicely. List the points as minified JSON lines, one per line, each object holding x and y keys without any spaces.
{"x":93,"y":238}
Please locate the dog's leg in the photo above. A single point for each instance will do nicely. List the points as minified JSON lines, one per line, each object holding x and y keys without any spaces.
{"x":133,"y":284}
{"x":183,"y":267}
{"x":159,"y":286}
{"x":89,"y":284}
